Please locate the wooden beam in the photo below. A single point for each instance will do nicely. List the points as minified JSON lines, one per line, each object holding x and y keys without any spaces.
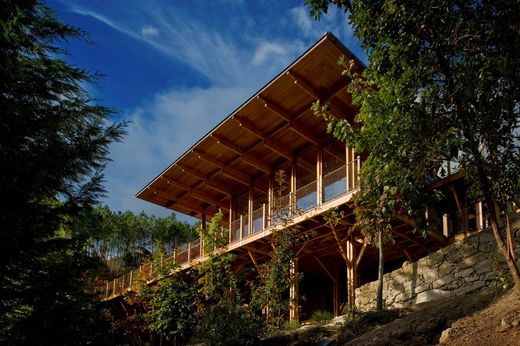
{"x":413,"y":240}
{"x":253,"y":259}
{"x":171,"y":200}
{"x":228,"y":171}
{"x":197,"y":195}
{"x":208,"y":181}
{"x":298,"y":128}
{"x":304,"y":85}
{"x":246,"y":157}
{"x":325,"y":269}
{"x":273,"y":145}
{"x":433,"y":233}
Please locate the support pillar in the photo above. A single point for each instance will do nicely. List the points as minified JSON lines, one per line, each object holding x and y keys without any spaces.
{"x":270,"y":199}
{"x":319,"y":176}
{"x":351,"y":274}
{"x":479,"y":216}
{"x":293,"y":187}
{"x":294,"y":292}
{"x":231,"y":218}
{"x":250,"y":207}
{"x":202,"y":230}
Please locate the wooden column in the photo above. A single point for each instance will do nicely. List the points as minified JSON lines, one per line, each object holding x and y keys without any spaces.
{"x":202,"y":229}
{"x":479,"y":214}
{"x":319,"y":176}
{"x":250,"y":207}
{"x":351,"y":273}
{"x":446,"y":225}
{"x":293,"y":187}
{"x":294,"y":292}
{"x":351,"y":169}
{"x":270,"y":196}
{"x":231,"y":217}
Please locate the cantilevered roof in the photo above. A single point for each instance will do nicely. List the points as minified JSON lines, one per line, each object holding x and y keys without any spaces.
{"x":273,"y":126}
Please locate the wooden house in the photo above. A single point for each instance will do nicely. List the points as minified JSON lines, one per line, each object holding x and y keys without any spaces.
{"x":233,"y":169}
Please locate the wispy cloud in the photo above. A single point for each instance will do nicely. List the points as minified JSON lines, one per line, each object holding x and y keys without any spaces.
{"x":237,"y":54}
{"x":149,"y":31}
{"x":160,"y":132}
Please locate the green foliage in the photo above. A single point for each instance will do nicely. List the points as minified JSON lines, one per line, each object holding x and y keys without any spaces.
{"x":442,"y":84}
{"x":275,"y":277}
{"x":223,"y":318}
{"x":172,"y":313}
{"x":124,"y":239}
{"x":54,"y":144}
{"x":290,"y":325}
{"x":321,"y":317}
{"x":214,"y":236}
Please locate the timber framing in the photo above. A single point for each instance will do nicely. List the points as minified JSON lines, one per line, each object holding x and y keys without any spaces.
{"x":233,"y":169}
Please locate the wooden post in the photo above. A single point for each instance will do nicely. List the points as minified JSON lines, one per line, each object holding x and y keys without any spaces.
{"x":189,"y":251}
{"x":202,"y":229}
{"x":241,"y":226}
{"x":250,"y":207}
{"x":131,"y":277}
{"x":270,"y":196}
{"x":358,"y":169}
{"x":231,"y":218}
{"x":319,"y":176}
{"x":445,"y":225}
{"x":294,"y":292}
{"x":351,"y":274}
{"x":106,"y":291}
{"x":479,"y":216}
{"x":292,"y":195}
{"x":114,"y":287}
{"x":264,"y":217}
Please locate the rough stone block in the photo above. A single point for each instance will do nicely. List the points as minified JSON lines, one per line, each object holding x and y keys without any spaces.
{"x":430,"y":274}
{"x":463,"y":273}
{"x":431,"y":295}
{"x":445,"y":269}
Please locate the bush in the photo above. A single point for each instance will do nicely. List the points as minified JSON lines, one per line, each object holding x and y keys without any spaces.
{"x":321,"y":317}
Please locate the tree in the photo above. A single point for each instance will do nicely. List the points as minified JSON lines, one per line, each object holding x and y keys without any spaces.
{"x":442,"y":84}
{"x":54,"y":144}
{"x":224,"y":319}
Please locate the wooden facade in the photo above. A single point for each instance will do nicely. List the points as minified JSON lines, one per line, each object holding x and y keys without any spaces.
{"x":233,"y":169}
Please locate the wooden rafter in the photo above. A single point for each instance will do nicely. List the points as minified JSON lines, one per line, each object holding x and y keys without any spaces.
{"x":197,"y":195}
{"x":273,"y":145}
{"x":294,"y":126}
{"x":303,"y":85}
{"x":228,"y":171}
{"x":207,"y":180}
{"x":244,"y":156}
{"x":407,"y":237}
{"x":170,"y":201}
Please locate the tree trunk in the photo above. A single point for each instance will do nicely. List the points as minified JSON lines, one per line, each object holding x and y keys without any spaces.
{"x":379,"y":306}
{"x":502,"y":247}
{"x":494,"y":215}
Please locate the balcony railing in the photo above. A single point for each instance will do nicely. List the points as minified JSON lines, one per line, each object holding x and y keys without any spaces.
{"x":335,"y":184}
{"x":465,"y":220}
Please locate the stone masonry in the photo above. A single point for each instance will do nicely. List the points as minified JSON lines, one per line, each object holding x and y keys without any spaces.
{"x":465,"y":266}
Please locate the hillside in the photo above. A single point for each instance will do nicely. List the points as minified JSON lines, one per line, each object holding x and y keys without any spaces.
{"x":490,"y":317}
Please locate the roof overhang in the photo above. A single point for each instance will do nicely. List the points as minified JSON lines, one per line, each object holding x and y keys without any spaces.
{"x":274,"y":126}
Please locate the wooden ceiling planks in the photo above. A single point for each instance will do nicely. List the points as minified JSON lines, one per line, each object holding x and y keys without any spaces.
{"x":269,"y":129}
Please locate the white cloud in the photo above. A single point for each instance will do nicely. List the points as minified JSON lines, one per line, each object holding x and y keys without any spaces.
{"x":161,"y":131}
{"x":307,"y":25}
{"x":149,"y":31}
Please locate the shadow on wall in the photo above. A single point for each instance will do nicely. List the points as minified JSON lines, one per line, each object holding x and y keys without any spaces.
{"x":460,"y":268}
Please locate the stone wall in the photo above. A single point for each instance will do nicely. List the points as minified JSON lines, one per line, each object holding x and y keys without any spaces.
{"x":462,"y":267}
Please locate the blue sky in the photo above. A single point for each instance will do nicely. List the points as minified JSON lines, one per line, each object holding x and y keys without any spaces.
{"x":177,"y":68}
